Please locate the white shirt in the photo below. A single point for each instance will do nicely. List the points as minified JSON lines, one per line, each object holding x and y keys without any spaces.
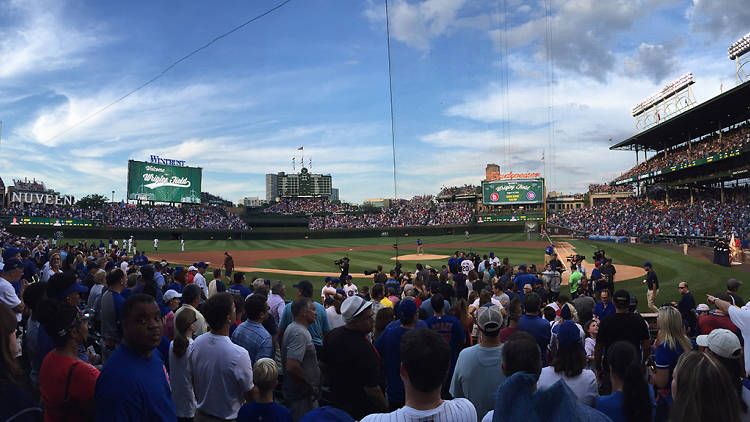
{"x":124,"y":266}
{"x":200,"y":281}
{"x":222,"y":373}
{"x":350,"y":289}
{"x":493,"y":300}
{"x":156,"y":242}
{"x":495,"y":260}
{"x":327,"y":291}
{"x":584,"y":386}
{"x":182,"y":384}
{"x":456,"y":410}
{"x":9,"y":297}
{"x":741,"y":318}
{"x":335,"y":320}
{"x":46,"y":274}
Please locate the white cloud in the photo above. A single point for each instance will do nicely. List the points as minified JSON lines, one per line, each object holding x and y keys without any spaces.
{"x":41,"y":41}
{"x":655,"y":62}
{"x":721,"y":19}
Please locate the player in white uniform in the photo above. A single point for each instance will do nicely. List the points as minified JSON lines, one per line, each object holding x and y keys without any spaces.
{"x":156,"y":245}
{"x":182,"y":244}
{"x":466,"y":266}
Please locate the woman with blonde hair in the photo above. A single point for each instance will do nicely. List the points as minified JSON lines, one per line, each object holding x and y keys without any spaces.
{"x":671,"y":343}
{"x":703,"y":390}
{"x":55,"y":264}
{"x":179,"y":376}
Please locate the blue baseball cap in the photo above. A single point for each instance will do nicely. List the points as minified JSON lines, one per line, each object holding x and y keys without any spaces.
{"x":327,"y":414}
{"x":647,"y":264}
{"x":568,"y":335}
{"x":522,"y":267}
{"x":407,"y":308}
{"x":348,"y":277}
{"x":328,"y":279}
{"x":10,"y":252}
{"x":201,"y":265}
{"x":12,"y":264}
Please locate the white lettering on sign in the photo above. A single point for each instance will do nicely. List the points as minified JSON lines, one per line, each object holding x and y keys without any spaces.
{"x":41,"y":198}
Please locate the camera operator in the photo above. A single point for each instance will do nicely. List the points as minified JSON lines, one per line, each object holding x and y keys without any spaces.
{"x":343,"y":264}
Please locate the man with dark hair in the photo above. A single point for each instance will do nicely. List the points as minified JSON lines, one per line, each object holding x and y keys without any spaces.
{"x":718,"y":319}
{"x":318,"y":327}
{"x":687,"y":307}
{"x":133,"y":385}
{"x":299,"y":359}
{"x":450,"y":328}
{"x":111,"y":312}
{"x":534,"y":324}
{"x":733,"y":285}
{"x":622,"y":325}
{"x":276,"y":300}
{"x":216,"y":285}
{"x":479,"y":368}
{"x":222,"y":384}
{"x":347,"y":351}
{"x":191,"y":298}
{"x":652,"y":286}
{"x":425,"y":363}
{"x":251,"y":334}
{"x":237,"y":287}
{"x":388,"y":345}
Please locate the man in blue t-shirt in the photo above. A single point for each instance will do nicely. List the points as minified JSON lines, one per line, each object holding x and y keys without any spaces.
{"x":450,"y":328}
{"x":238,"y":287}
{"x":134,"y":385}
{"x":604,"y":307}
{"x":389,"y":347}
{"x":535,"y":325}
{"x":523,"y":278}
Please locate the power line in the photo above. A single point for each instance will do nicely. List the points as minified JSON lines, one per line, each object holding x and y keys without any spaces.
{"x":390,"y":97}
{"x":168,"y":68}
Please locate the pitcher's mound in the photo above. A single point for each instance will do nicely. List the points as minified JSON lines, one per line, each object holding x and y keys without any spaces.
{"x":424,"y":257}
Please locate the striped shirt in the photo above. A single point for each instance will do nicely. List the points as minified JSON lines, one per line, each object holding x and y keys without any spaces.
{"x":252,"y":336}
{"x":456,"y":410}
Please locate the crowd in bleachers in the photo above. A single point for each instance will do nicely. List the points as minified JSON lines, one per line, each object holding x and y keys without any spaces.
{"x":419,"y":211}
{"x":710,"y":145}
{"x":593,"y":188}
{"x":460,"y":190}
{"x":308,"y":206}
{"x":636,"y":217}
{"x":130,"y":216}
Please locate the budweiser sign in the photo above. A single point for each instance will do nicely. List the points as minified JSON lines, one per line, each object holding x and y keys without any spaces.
{"x":494,"y":175}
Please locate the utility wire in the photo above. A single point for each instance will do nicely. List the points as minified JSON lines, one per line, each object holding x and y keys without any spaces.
{"x":390,"y":96}
{"x":168,"y":68}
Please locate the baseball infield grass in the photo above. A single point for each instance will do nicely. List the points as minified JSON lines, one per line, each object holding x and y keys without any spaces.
{"x":671,"y":267}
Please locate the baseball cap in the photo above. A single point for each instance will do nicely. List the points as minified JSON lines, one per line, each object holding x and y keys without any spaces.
{"x":522,"y":267}
{"x":171,"y":294}
{"x":62,"y":285}
{"x":10,"y":252}
{"x":164,"y":263}
{"x":732,"y":283}
{"x":326,"y":414}
{"x":201,"y":265}
{"x":305,"y":286}
{"x":489,"y":318}
{"x":12,"y":264}
{"x":353,"y":306}
{"x":722,"y":342}
{"x":192,"y":268}
{"x":568,"y":334}
{"x":348,"y":277}
{"x":407,"y":308}
{"x":327,"y":279}
{"x":177,"y":270}
{"x":647,"y":264}
{"x":621,"y":298}
{"x":702,"y":307}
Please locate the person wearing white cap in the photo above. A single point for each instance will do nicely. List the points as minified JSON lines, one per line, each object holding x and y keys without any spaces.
{"x":478,"y":370}
{"x":346,"y":352}
{"x":725,"y":346}
{"x":172,"y":300}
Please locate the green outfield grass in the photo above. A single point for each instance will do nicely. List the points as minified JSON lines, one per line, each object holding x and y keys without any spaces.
{"x":671,"y":267}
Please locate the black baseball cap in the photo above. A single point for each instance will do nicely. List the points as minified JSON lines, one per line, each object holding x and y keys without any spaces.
{"x":306,"y":287}
{"x":621,"y":298}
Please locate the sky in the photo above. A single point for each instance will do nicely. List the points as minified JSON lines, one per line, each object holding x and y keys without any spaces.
{"x":473,"y":82}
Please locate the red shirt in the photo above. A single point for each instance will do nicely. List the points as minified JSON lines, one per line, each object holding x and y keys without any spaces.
{"x":53,"y":378}
{"x":708,"y":323}
{"x":506,"y":332}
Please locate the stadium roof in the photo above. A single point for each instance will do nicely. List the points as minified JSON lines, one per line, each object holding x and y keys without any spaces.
{"x":728,"y":108}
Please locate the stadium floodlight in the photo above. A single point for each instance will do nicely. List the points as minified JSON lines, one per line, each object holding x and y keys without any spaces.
{"x":668,"y":91}
{"x":739,"y":47}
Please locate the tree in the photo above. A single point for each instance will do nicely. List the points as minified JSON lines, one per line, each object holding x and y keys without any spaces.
{"x":93,"y":201}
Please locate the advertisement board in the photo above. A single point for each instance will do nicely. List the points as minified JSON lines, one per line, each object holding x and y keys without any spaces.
{"x":504,"y":192}
{"x":57,"y":222}
{"x":163,"y":183}
{"x":509,"y":218}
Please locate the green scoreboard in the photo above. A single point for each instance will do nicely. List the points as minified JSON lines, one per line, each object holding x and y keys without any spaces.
{"x":509,"y":192}
{"x":163,"y":183}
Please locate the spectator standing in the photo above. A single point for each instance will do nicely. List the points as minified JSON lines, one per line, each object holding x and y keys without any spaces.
{"x":733,"y":285}
{"x":299,"y":360}
{"x":216,"y":285}
{"x":11,"y":273}
{"x":333,"y":312}
{"x":111,"y":313}
{"x":703,"y":390}
{"x":276,"y":302}
{"x":172,"y":302}
{"x":450,"y":328}
{"x":478,"y":370}
{"x":388,"y":345}
{"x":652,"y":285}
{"x":65,"y":381}
{"x":221,"y":385}
{"x":179,"y":375}
{"x":426,"y":361}
{"x":673,"y":343}
{"x":238,"y":287}
{"x":263,"y":409}
{"x":251,"y":335}
{"x":687,"y":306}
{"x":585,"y":307}
{"x":632,"y":398}
{"x":739,"y":316}
{"x":534,"y":324}
{"x":133,"y":384}
{"x":191,"y":297}
{"x":569,"y":365}
{"x":200,"y":280}
{"x":318,"y":327}
{"x":514,"y":316}
{"x":16,"y":402}
{"x":622,"y":325}
{"x":719,"y":318}
{"x":609,"y":271}
{"x":347,"y":351}
{"x":603,"y":307}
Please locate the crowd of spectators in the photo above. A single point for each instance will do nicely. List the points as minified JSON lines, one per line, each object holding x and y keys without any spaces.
{"x":419,"y":211}
{"x":308,"y":206}
{"x":593,"y":188}
{"x":705,"y":147}
{"x":635,"y":217}
{"x":460,"y":190}
{"x":479,"y":339}
{"x":141,"y":216}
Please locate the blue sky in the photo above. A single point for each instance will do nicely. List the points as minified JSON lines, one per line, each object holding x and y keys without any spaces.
{"x":314,"y":74}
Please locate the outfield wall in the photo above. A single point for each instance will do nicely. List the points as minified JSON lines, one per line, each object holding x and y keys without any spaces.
{"x":261,"y":233}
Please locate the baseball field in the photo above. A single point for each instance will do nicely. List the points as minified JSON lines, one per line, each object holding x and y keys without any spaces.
{"x":313,"y":259}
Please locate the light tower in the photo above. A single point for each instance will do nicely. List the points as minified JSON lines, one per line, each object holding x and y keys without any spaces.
{"x":676,"y":97}
{"x":736,"y":51}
